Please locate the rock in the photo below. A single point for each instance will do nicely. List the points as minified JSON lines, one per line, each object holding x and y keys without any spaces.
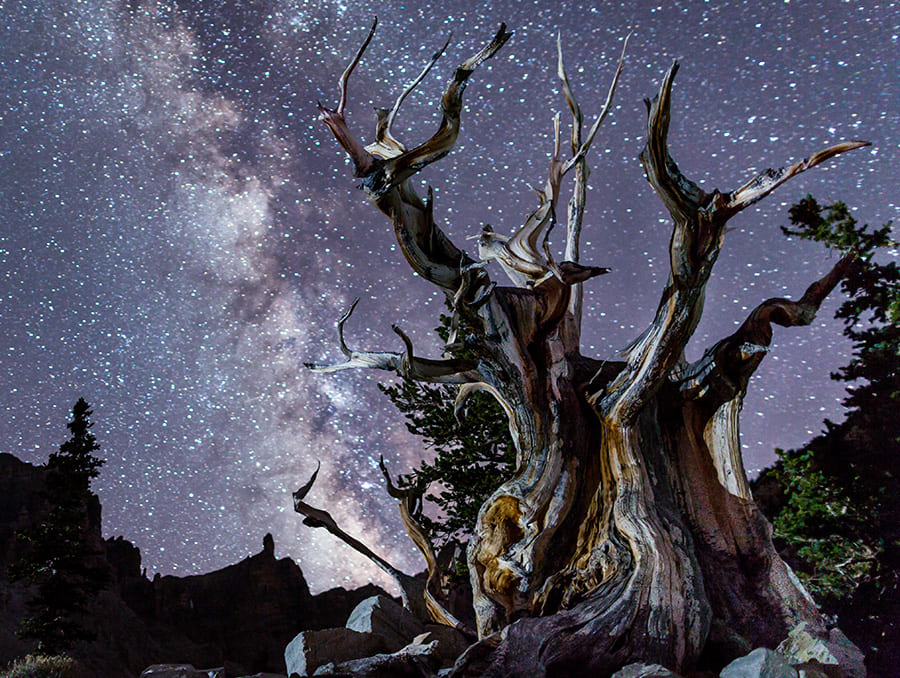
{"x":413,"y":661}
{"x":390,"y":620}
{"x":814,"y":669}
{"x":450,"y":643}
{"x":803,"y":644}
{"x":311,"y":649}
{"x":246,"y":612}
{"x":761,"y":663}
{"x":265,"y":675}
{"x":644,"y":671}
{"x":180,"y":671}
{"x":333,"y":607}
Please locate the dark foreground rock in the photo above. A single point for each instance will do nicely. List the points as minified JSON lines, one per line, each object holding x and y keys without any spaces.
{"x":380,"y":638}
{"x":384,"y":617}
{"x":188,"y":671}
{"x":442,"y":652}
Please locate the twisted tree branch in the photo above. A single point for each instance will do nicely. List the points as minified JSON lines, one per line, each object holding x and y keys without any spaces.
{"x":452,"y":371}
{"x":725,"y":369}
{"x":386,"y":166}
{"x":411,"y":588}
{"x":410,"y":505}
{"x":698,"y":231}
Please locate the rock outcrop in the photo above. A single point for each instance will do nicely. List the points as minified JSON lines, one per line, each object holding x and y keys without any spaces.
{"x":761,"y":663}
{"x":804,"y":645}
{"x":385,"y":617}
{"x":240,"y":617}
{"x":380,"y":638}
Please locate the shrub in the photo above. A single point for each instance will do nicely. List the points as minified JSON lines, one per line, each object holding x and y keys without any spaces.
{"x":42,"y":666}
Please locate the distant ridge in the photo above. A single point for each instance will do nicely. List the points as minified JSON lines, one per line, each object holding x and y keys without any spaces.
{"x":242,"y":615}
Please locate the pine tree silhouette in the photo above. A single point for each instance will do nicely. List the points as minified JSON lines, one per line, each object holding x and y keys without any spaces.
{"x":59,"y":557}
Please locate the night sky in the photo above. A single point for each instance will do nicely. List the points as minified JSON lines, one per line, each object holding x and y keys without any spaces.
{"x":178,"y":234}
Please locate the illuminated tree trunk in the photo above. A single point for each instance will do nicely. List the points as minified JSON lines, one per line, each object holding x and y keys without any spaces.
{"x":628,"y":531}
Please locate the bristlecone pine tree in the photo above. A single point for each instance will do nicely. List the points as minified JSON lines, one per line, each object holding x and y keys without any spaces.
{"x":627,"y":531}
{"x":59,"y":556}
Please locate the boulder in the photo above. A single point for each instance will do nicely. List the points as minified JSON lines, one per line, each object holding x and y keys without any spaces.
{"x":639,"y":670}
{"x":450,"y":643}
{"x":387,"y":618}
{"x":311,"y":649}
{"x":180,"y":671}
{"x":761,"y":663}
{"x":804,"y":644}
{"x":413,"y":661}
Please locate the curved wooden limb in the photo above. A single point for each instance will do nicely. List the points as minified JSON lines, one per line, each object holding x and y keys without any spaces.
{"x":452,"y":371}
{"x":405,"y":165}
{"x":574,"y":108}
{"x":386,"y":165}
{"x":681,"y":196}
{"x":525,"y":256}
{"x":576,"y":206}
{"x":363,"y":161}
{"x":522,"y":246}
{"x":518,"y":255}
{"x":580,"y":148}
{"x":768,"y":180}
{"x":725,"y":369}
{"x":699,"y":216}
{"x":411,"y":588}
{"x":698,"y":233}
{"x":410,"y":505}
{"x":693,"y":249}
{"x":386,"y":144}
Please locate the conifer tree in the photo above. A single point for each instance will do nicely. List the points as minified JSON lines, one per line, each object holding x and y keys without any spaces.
{"x":474,"y":453}
{"x":59,"y":556}
{"x":837,"y":499}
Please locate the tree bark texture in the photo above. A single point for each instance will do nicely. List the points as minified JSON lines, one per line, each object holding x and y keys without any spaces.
{"x":628,"y":531}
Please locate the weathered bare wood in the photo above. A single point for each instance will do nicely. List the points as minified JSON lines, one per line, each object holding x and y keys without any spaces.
{"x":725,"y":368}
{"x":410,"y":506}
{"x":411,"y":589}
{"x":386,"y":145}
{"x":336,"y":121}
{"x":385,"y":179}
{"x":627,"y":531}
{"x":452,"y":371}
{"x":578,"y":201}
{"x":405,"y":165}
{"x":522,"y":261}
{"x":699,"y":221}
{"x":768,"y":180}
{"x":580,"y":149}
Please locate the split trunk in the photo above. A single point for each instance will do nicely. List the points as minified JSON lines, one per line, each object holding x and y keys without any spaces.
{"x":628,"y":531}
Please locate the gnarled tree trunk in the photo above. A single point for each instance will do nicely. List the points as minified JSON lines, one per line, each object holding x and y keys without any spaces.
{"x":628,"y":531}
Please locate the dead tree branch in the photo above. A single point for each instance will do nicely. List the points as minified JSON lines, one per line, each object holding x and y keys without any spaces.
{"x":386,"y":166}
{"x":698,"y":232}
{"x":725,"y":369}
{"x":410,"y":506}
{"x":412,"y":589}
{"x":452,"y":371}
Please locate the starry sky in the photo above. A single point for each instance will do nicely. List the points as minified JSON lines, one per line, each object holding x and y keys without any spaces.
{"x":178,"y":234}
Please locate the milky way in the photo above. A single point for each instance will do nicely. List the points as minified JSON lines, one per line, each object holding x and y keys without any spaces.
{"x":179,"y":234}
